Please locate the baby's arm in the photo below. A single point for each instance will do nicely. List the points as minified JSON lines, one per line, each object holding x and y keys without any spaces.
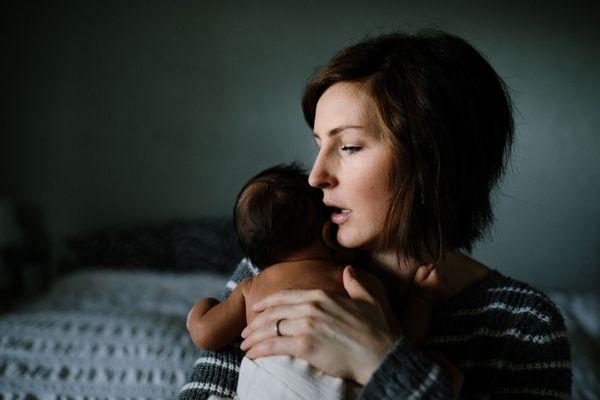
{"x":213,"y":324}
{"x":199,"y":309}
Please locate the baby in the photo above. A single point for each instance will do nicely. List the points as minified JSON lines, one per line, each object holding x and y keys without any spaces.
{"x":282,"y":226}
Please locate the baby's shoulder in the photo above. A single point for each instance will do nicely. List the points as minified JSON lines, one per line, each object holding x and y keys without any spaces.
{"x":245,"y":285}
{"x":303,"y":274}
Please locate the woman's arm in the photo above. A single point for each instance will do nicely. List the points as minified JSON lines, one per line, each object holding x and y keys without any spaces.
{"x":408,"y":372}
{"x":342,"y":336}
{"x":428,"y":289}
{"x":348,"y":338}
{"x":533,"y":363}
{"x":216,"y":372}
{"x":513,"y":358}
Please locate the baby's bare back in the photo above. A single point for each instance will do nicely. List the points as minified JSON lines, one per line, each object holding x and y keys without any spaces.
{"x":306,"y":274}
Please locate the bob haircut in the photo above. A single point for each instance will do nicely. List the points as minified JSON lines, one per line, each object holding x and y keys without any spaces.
{"x":448,"y":116}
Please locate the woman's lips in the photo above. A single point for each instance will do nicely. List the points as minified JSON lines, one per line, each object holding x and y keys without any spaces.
{"x":341,"y":216}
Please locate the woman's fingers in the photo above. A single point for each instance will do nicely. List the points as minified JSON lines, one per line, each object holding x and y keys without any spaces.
{"x":290,"y":345}
{"x":273,"y":314}
{"x":259,"y":335}
{"x":290,"y":297}
{"x":287,"y":328}
{"x":342,"y":337}
{"x":298,"y":319}
{"x":289,"y":304}
{"x":355,"y":287}
{"x":296,"y":338}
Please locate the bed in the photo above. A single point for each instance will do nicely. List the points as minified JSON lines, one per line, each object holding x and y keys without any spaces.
{"x":113,"y":325}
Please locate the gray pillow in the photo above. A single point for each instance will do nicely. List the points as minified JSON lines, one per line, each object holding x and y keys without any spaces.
{"x":207,"y":244}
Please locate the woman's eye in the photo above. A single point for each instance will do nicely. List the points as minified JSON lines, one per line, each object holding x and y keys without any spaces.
{"x":350,"y":149}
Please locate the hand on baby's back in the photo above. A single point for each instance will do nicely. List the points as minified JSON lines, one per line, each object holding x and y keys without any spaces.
{"x":214,"y":324}
{"x":315,"y":274}
{"x":302,"y":274}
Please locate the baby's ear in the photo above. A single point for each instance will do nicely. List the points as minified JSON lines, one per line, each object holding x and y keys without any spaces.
{"x":329,"y":233}
{"x":187,"y":321}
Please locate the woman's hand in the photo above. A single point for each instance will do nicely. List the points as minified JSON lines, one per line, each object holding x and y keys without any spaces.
{"x":344,"y":337}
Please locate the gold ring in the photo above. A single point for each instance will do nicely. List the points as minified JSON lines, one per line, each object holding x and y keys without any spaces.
{"x":277,"y":331}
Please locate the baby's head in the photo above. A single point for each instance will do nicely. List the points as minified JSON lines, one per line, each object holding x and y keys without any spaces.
{"x":277,"y":213}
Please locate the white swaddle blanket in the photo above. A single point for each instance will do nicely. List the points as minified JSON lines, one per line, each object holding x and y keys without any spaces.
{"x":290,"y":378}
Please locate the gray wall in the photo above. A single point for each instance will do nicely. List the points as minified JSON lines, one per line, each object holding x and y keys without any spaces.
{"x":121,"y":114}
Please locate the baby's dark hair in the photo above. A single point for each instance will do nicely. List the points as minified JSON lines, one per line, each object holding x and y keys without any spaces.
{"x":276,"y":213}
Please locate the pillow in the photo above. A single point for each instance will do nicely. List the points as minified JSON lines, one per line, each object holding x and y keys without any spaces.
{"x":207,"y":244}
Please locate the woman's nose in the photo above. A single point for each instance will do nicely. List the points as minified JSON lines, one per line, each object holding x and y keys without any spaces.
{"x":321,"y":175}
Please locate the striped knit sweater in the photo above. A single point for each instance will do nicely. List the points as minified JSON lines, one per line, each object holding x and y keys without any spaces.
{"x":508,"y":339}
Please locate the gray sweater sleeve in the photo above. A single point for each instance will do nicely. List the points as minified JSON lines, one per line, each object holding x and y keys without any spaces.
{"x":216,"y":372}
{"x":406,"y":372}
{"x":522,"y":353}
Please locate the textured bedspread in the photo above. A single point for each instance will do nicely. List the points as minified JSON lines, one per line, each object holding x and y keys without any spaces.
{"x":111,"y":334}
{"x":103,"y":334}
{"x":582,"y":319}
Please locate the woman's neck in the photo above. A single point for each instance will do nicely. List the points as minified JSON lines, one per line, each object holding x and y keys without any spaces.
{"x":396,"y":275}
{"x":457,"y":269}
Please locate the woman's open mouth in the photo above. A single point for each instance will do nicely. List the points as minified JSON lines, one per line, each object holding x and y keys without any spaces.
{"x":339,"y":216}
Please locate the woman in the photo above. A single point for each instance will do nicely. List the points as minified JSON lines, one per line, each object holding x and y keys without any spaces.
{"x":414,"y":132}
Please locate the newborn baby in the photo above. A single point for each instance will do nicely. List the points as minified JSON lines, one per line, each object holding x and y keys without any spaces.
{"x":283,"y":228}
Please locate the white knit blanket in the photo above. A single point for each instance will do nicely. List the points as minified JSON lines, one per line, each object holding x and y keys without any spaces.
{"x":105,"y":334}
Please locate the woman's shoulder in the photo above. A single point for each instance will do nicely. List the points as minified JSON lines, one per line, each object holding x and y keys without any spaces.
{"x":499,"y":294}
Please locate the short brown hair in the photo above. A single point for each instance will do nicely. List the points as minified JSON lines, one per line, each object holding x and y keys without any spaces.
{"x":449,"y":117}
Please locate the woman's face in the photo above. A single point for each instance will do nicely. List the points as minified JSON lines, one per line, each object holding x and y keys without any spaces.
{"x":352,"y":165}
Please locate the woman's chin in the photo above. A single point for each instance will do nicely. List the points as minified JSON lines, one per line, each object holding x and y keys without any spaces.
{"x":347,"y":240}
{"x":351,"y":239}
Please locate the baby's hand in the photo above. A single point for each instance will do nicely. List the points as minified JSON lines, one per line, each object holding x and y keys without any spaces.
{"x":430,"y":285}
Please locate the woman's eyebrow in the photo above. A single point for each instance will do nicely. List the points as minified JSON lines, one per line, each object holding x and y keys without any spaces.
{"x":337,"y":130}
